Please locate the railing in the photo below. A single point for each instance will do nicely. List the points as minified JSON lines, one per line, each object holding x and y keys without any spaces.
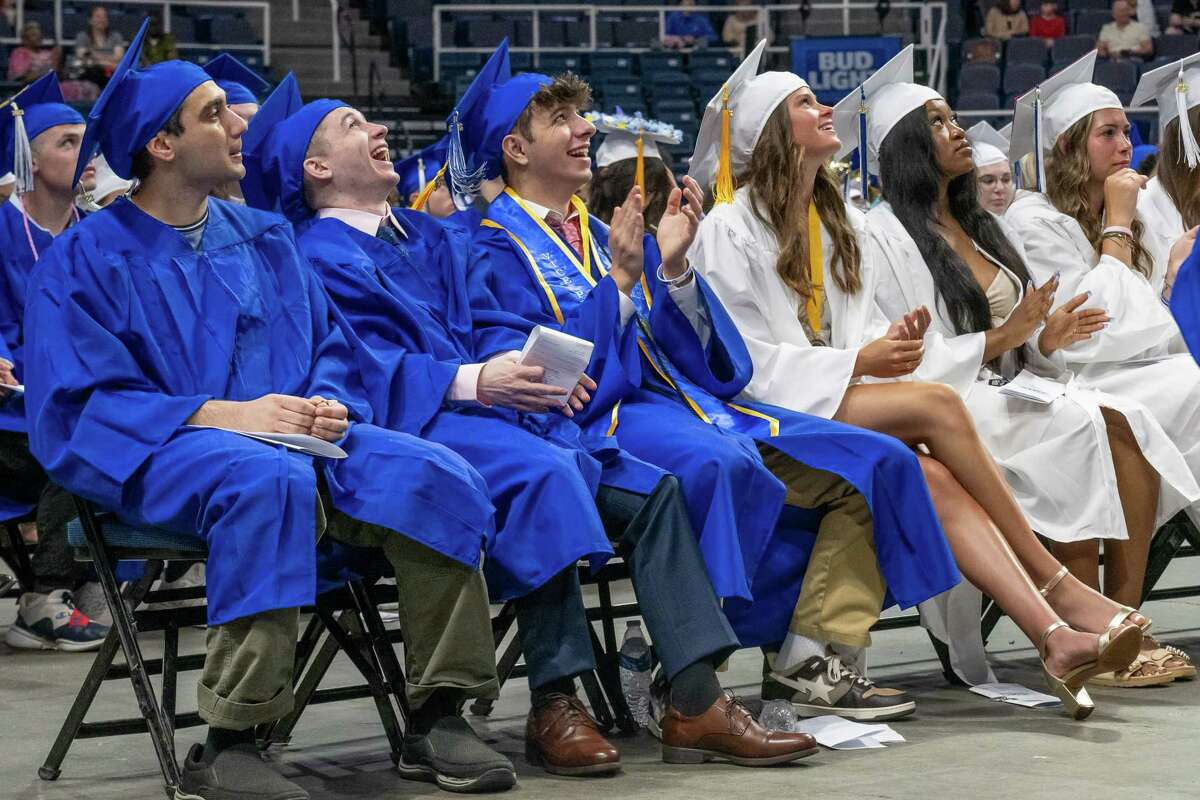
{"x":335,"y":13}
{"x":166,"y":6}
{"x":930,"y":28}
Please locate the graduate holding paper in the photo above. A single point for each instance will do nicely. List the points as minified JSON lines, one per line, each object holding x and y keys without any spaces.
{"x":171,"y":309}
{"x":669,"y":364}
{"x":397,"y":279}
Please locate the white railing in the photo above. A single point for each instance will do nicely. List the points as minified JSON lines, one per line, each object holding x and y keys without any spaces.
{"x":334,"y":10}
{"x":931,"y":26}
{"x":166,"y":5}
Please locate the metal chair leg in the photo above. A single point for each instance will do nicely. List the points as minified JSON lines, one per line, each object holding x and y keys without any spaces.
{"x":307,"y":682}
{"x":381,"y":644}
{"x":160,"y":732}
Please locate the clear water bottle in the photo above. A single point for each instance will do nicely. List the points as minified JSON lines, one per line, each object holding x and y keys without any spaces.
{"x":634,"y":660}
{"x":777,"y":715}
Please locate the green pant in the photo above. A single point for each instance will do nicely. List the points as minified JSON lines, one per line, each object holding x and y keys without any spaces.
{"x":843,"y":590}
{"x":444,"y":618}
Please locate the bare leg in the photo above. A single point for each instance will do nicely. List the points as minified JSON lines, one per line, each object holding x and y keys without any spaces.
{"x":934,"y":415}
{"x":1138,"y":484}
{"x":987,"y":561}
{"x":1082,"y":558}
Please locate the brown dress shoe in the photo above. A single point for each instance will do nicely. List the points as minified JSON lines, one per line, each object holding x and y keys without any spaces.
{"x":562,"y":737}
{"x":728,"y":732}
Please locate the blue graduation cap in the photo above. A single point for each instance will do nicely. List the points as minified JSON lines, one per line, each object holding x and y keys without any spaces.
{"x":134,"y":106}
{"x":421,"y":169}
{"x":240,"y":83}
{"x":274,"y":147}
{"x":30,"y":112}
{"x":483,"y":117}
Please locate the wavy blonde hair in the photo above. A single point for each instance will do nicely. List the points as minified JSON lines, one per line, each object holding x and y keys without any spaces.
{"x":1181,"y":182}
{"x":774,"y":177}
{"x":1067,"y":174}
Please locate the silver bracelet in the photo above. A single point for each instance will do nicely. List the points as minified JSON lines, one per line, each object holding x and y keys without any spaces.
{"x":676,"y":282}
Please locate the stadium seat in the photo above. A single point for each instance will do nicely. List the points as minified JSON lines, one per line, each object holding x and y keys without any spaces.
{"x":1071,"y":48}
{"x":486,"y":32}
{"x":654,"y":63}
{"x":979,"y":77}
{"x":555,"y":63}
{"x":1020,"y":78}
{"x":673,"y":106}
{"x":1120,"y":76}
{"x":981,"y":49}
{"x":977,"y":101}
{"x":1026,"y":51}
{"x":1089,"y":21}
{"x":676,"y":89}
{"x":1094,"y":5}
{"x":635,"y":31}
{"x":552,"y":32}
{"x":614,"y":63}
{"x":521,"y":61}
{"x":709,"y":76}
{"x":229,"y":29}
{"x":714,"y":59}
{"x":1175,"y":47}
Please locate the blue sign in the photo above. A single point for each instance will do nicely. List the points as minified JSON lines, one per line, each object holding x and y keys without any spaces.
{"x":836,"y":64}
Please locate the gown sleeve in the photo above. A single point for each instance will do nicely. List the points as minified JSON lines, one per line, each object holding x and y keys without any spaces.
{"x":1139,"y":323}
{"x":94,"y":415}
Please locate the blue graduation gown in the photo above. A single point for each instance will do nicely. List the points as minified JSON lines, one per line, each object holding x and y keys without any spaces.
{"x":408,"y":323}
{"x":1185,"y":301}
{"x":131,"y":331}
{"x":656,"y":375}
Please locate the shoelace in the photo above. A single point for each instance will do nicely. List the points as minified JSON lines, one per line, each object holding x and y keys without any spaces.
{"x":836,"y":670}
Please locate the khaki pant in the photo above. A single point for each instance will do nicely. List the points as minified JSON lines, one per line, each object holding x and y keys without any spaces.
{"x":444,"y":618}
{"x":843,"y":590}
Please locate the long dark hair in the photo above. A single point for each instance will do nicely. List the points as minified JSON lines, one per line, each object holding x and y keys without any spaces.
{"x":909,"y":174}
{"x":611,"y":185}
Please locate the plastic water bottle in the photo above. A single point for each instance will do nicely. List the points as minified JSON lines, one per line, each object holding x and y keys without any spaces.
{"x":777,"y":715}
{"x":634,"y":660}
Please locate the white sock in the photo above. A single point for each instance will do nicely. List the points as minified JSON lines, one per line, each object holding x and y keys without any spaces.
{"x":796,"y":650}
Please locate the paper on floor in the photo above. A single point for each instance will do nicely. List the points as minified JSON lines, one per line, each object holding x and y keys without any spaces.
{"x":846,"y":734}
{"x":1016,"y":694}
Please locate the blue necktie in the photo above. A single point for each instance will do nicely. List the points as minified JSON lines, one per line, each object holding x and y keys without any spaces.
{"x":388,"y":234}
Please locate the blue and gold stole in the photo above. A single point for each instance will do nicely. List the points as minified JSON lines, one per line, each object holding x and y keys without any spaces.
{"x":566,"y":278}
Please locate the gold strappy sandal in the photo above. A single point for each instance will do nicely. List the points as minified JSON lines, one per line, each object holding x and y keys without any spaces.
{"x":1120,"y":618}
{"x":1117,"y":648}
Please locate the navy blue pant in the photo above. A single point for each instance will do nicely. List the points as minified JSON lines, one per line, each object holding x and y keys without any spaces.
{"x":682,"y":614}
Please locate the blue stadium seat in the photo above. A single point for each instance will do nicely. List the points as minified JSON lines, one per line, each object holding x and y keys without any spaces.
{"x":521,"y":62}
{"x":183,"y":28}
{"x":1026,"y":51}
{"x":1089,"y":21}
{"x":1020,"y":78}
{"x":614,"y":63}
{"x":977,"y":101}
{"x":684,"y":120}
{"x":671,"y":106}
{"x":1120,"y":76}
{"x":618,"y":90}
{"x":713,"y":59}
{"x":710,"y":76}
{"x":1071,"y":48}
{"x":1175,"y":47}
{"x":552,"y":33}
{"x":653,"y":63}
{"x":979,"y":77}
{"x":676,"y":89}
{"x":555,"y":63}
{"x":229,"y":29}
{"x":635,"y":31}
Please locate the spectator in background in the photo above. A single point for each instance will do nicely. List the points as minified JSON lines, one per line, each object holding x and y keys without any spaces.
{"x":8,"y":11}
{"x":685,"y":29}
{"x":99,"y":47}
{"x":1185,"y":17}
{"x":160,"y":45}
{"x":1124,"y":36}
{"x":32,"y":60}
{"x":733,"y":32}
{"x":1048,"y":24}
{"x":1005,"y":20}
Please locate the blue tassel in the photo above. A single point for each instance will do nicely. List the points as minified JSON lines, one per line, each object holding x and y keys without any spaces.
{"x":864,"y":159}
{"x":464,"y":181}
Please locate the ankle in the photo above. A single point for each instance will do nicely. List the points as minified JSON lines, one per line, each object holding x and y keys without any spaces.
{"x":556,"y":686}
{"x":440,"y":704}
{"x":221,"y":739}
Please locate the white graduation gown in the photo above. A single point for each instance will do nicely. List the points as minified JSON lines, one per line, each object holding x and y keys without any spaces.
{"x":1055,"y":457}
{"x":1164,"y":225}
{"x":1139,"y":356}
{"x":737,"y":254}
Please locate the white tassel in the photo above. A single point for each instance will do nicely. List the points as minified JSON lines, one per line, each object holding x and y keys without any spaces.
{"x":22,"y":152}
{"x":1039,"y":155}
{"x":464,"y":183}
{"x":420,"y":175}
{"x":1187,"y":137}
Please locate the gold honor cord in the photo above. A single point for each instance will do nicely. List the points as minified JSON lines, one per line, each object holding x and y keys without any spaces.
{"x":816,"y":268}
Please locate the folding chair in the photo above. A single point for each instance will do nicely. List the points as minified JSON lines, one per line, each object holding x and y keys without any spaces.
{"x":14,"y":552}
{"x":106,"y":541}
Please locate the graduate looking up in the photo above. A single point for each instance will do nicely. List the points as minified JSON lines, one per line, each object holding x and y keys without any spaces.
{"x":242,"y":86}
{"x":669,"y":365}
{"x":186,"y":311}
{"x":47,"y":147}
{"x":397,"y":278}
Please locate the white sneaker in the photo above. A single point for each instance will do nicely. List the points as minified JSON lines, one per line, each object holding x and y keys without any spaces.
{"x":52,"y":622}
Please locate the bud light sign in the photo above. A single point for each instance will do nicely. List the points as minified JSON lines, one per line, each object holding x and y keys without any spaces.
{"x":835,"y":65}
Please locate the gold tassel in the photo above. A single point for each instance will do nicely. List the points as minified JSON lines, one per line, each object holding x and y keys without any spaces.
{"x":723,"y":191}
{"x":423,"y":197}
{"x":639,"y":176}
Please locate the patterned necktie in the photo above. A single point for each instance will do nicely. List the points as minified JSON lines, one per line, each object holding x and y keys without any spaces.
{"x":387,"y":233}
{"x":566,"y":231}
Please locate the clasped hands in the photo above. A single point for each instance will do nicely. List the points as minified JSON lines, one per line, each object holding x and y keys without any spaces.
{"x":316,"y":416}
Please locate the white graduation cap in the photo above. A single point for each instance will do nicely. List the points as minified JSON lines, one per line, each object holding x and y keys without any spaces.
{"x":7,"y":178}
{"x":734,"y":120}
{"x":1047,"y":110}
{"x":865,"y":117}
{"x":1176,"y":87}
{"x":634,"y":136}
{"x":988,"y":145}
{"x":108,"y":181}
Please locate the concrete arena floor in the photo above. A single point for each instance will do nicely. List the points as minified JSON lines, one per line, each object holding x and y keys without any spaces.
{"x":1139,"y":743}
